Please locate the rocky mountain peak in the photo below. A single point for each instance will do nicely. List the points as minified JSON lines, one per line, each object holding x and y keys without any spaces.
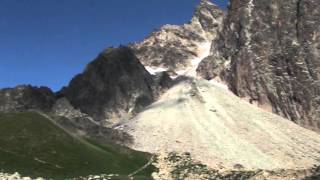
{"x":205,"y":2}
{"x":208,"y":16}
{"x":113,"y":87}
{"x":174,"y":47}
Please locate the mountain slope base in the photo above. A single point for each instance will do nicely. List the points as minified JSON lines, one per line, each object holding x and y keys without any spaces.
{"x":33,"y":146}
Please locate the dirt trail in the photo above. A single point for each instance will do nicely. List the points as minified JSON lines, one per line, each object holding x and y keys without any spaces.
{"x":218,"y":128}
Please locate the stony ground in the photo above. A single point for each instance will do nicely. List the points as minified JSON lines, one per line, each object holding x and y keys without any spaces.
{"x":181,"y":166}
{"x":221,"y":130}
{"x":15,"y":176}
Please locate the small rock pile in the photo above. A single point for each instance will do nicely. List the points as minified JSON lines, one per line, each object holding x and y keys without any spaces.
{"x":15,"y":176}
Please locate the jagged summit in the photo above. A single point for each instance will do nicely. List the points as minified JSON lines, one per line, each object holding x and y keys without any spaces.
{"x":113,"y":87}
{"x":174,"y":47}
{"x":209,"y":16}
{"x":205,"y":2}
{"x":110,"y":84}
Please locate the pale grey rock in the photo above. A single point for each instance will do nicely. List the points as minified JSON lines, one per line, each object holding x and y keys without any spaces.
{"x":174,"y":47}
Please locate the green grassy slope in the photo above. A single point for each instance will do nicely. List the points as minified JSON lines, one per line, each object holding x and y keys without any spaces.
{"x":33,"y":146}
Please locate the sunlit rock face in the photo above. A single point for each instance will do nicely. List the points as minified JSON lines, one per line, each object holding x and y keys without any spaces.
{"x":173,"y":47}
{"x":269,"y":53}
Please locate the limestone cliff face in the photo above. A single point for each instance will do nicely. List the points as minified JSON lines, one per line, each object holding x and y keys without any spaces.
{"x":113,"y":86}
{"x":269,"y":52}
{"x":173,"y":47}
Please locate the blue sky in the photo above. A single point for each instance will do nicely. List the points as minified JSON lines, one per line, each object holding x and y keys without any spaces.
{"x":47,"y":42}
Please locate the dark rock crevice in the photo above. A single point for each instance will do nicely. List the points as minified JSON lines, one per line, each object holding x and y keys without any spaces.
{"x":298,"y":16}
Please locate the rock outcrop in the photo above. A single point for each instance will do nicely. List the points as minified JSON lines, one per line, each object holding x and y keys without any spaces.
{"x":82,"y":125}
{"x":269,"y":53}
{"x":26,"y":97}
{"x":174,"y":47}
{"x":114,"y":86}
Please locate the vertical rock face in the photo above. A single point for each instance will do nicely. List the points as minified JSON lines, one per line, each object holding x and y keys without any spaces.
{"x":113,"y":86}
{"x":269,"y":52}
{"x":173,"y":47}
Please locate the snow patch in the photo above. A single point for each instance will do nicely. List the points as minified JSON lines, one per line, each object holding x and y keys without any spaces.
{"x":155,"y":70}
{"x":203,"y":52}
{"x":295,"y":43}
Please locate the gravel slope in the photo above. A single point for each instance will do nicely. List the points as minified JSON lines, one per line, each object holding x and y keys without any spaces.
{"x":221,"y":130}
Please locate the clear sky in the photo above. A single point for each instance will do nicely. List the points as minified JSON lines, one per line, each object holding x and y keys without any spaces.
{"x":47,"y":42}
